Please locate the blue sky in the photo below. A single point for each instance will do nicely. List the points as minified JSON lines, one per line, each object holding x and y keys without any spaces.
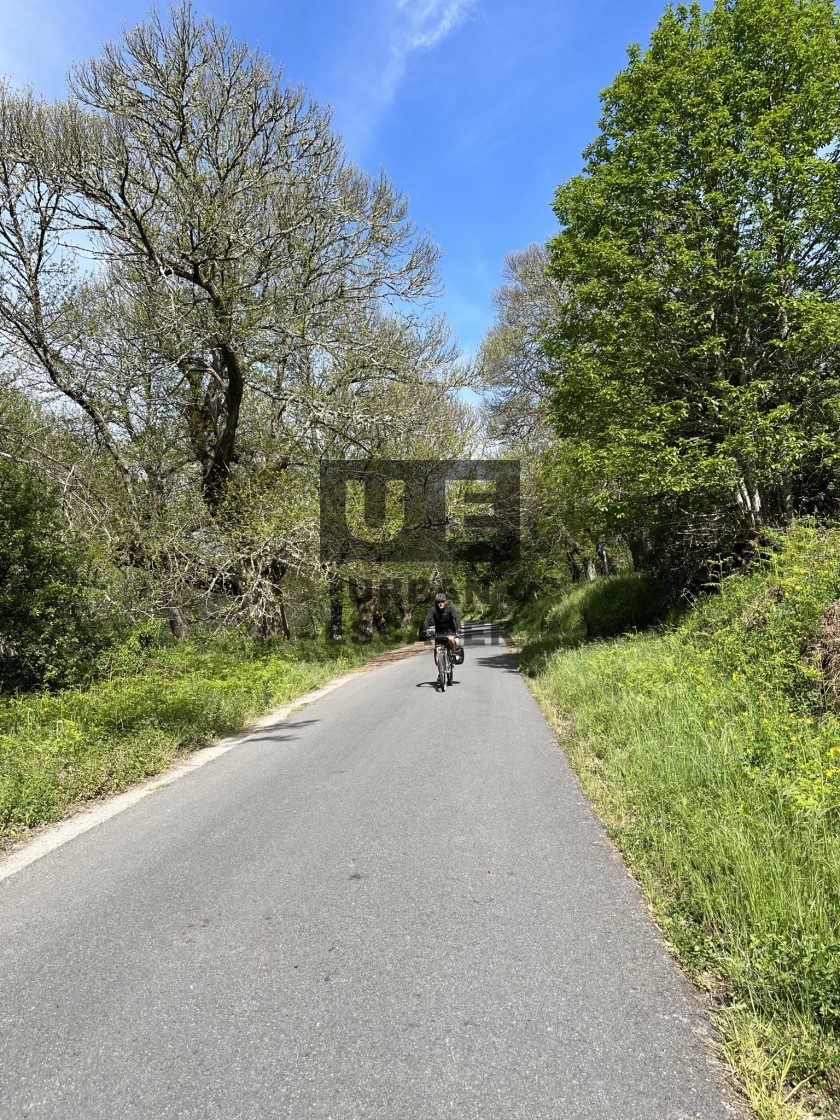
{"x":477,"y":109}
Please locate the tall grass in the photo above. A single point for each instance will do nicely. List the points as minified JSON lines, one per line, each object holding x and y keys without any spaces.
{"x":715,"y":761}
{"x":587,"y":612}
{"x":61,"y":748}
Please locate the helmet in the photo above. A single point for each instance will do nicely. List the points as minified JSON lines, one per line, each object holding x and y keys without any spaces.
{"x":440,"y":597}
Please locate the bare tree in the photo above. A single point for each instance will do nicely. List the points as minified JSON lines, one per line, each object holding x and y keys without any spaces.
{"x":188,"y":258}
{"x":512,"y":363}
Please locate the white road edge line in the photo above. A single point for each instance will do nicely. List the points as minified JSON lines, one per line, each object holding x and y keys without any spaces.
{"x":56,"y":835}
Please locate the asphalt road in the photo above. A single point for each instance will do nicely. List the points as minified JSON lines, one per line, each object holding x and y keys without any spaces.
{"x":394,"y":904}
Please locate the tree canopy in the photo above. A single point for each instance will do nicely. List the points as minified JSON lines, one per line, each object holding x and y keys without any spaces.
{"x":201,"y":284}
{"x":693,"y":365}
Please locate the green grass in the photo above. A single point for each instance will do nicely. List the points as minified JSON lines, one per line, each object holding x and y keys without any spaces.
{"x":714,"y":758}
{"x":59,"y":749}
{"x":587,"y":612}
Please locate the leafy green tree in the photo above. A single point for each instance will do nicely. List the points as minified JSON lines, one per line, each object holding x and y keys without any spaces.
{"x":695,"y":378}
{"x":47,"y":629}
{"x":560,"y":536}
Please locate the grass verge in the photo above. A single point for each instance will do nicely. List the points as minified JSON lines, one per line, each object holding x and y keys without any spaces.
{"x":59,"y":749}
{"x":712,"y":752}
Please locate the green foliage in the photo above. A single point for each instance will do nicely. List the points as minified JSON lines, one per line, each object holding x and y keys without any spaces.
{"x":695,"y":384}
{"x":47,"y":632}
{"x":590,"y":611}
{"x":160,"y":699}
{"x":713,"y":753}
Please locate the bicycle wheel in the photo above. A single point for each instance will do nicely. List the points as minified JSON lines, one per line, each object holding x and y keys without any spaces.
{"x":442,"y":669}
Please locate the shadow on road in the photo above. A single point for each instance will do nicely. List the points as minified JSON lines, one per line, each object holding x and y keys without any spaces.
{"x":501,"y":660}
{"x":273,"y":733}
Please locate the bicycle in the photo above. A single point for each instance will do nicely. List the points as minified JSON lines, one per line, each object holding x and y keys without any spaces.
{"x":445,"y":661}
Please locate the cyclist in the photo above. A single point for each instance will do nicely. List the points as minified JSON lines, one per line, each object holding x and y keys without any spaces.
{"x":443,"y":619}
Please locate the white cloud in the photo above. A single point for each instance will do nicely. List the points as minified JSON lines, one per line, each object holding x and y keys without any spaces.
{"x":421,"y":25}
{"x":427,"y":23}
{"x":387,"y":40}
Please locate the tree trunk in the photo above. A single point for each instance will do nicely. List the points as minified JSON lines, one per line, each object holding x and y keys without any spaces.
{"x":177,"y":621}
{"x":784,"y":499}
{"x":591,"y":568}
{"x":419,"y":590}
{"x":575,"y":570}
{"x":750,"y":501}
{"x":379,"y":620}
{"x":268,"y":605}
{"x":336,"y":625}
{"x":637,"y":549}
{"x":284,"y":620}
{"x":604,"y":557}
{"x":363,"y":598}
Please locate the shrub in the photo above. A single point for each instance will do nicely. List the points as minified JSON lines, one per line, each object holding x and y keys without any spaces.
{"x":47,"y":633}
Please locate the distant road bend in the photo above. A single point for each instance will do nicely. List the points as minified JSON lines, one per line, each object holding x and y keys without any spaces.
{"x":393,"y":904}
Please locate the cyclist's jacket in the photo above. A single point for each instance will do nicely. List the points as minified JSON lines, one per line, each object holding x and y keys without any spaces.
{"x":447,"y":621}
